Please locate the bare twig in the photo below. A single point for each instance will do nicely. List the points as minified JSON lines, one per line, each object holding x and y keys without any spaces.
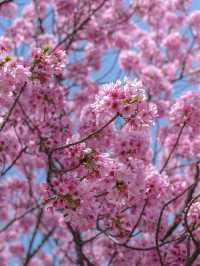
{"x":12,"y":107}
{"x":93,"y":134}
{"x":14,"y":161}
{"x":173,"y":148}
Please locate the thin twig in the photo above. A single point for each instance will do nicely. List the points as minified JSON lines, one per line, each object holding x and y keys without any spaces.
{"x":88,"y":136}
{"x":12,"y":107}
{"x":173,"y":148}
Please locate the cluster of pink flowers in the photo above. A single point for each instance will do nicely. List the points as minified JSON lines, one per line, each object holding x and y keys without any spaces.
{"x":103,"y":168}
{"x":128,"y":100}
{"x":187,"y":110}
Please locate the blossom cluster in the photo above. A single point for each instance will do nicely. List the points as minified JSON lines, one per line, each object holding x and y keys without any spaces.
{"x":100,"y":168}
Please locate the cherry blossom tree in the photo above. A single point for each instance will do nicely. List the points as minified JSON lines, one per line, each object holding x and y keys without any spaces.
{"x":99,"y":133}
